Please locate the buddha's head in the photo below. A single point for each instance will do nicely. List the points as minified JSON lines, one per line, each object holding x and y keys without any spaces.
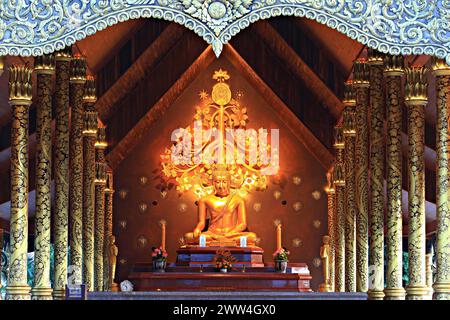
{"x":221,"y":181}
{"x":112,"y":239}
{"x":326,"y":239}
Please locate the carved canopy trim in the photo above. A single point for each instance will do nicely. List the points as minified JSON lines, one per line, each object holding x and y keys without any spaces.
{"x":30,"y":27}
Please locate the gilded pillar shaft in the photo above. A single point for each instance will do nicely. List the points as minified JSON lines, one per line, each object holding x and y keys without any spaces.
{"x":89,"y":139}
{"x":45,"y":69}
{"x":350,"y":215}
{"x":20,"y":93}
{"x":77,"y":80}
{"x":442,"y":283}
{"x":361,"y":83}
{"x":109,"y":191}
{"x":331,"y":228}
{"x":61,"y":174}
{"x":416,"y":100}
{"x":350,"y":199}
{"x":394,"y":279}
{"x":100,"y":184}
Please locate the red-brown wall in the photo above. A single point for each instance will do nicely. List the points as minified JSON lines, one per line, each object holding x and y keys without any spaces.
{"x":143,"y":161}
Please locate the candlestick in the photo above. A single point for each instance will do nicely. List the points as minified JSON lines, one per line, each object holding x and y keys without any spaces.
{"x":163,"y":235}
{"x":279,"y":236}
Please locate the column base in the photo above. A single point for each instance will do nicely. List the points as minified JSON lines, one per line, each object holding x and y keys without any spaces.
{"x":417,"y":293}
{"x":375,"y":294}
{"x":41,"y":294}
{"x":59,"y":294}
{"x":394,"y":294}
{"x":325,"y":288}
{"x":441,"y":291}
{"x":18,"y":293}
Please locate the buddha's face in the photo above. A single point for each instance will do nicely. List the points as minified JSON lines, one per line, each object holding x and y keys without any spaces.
{"x":221,"y":182}
{"x":112,"y":239}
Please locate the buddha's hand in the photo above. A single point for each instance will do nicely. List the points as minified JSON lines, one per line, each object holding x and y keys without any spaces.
{"x":197,"y":233}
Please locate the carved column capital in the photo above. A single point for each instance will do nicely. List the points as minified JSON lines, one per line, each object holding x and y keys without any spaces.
{"x":361,"y":73}
{"x":20,"y":85}
{"x":393,"y":66}
{"x":375,"y":57}
{"x":45,"y":64}
{"x":439,"y":68}
{"x":78,"y":69}
{"x":416,"y":86}
{"x":64,"y":54}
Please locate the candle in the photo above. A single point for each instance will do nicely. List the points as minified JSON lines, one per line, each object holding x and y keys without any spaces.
{"x":279,"y":236}
{"x":163,"y":236}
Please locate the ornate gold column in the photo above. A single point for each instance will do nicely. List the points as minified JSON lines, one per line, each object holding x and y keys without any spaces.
{"x":89,"y":136}
{"x":377,"y":157}
{"x":331,"y":221}
{"x":416,"y":100}
{"x":442,"y":284}
{"x":45,"y":68}
{"x":100,"y":184}
{"x":350,"y":195}
{"x":77,"y":80}
{"x":429,"y":273}
{"x":20,"y":92}
{"x":61,"y":174}
{"x":393,"y":72}
{"x":339,"y":233}
{"x":109,"y":191}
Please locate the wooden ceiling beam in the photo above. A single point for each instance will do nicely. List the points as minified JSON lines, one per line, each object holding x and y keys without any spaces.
{"x":133,"y":137}
{"x":298,"y":67}
{"x":136,"y":72}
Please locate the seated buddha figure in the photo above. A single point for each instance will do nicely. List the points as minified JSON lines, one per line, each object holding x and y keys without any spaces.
{"x":227,"y":215}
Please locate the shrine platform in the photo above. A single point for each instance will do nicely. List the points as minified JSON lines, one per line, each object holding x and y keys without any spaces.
{"x":194,"y":270}
{"x":226,"y":295}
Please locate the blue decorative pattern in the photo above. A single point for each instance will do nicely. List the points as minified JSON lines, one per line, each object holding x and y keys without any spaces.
{"x":34,"y":27}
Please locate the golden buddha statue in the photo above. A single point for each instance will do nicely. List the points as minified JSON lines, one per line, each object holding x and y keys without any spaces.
{"x":227,"y":215}
{"x":325,"y":253}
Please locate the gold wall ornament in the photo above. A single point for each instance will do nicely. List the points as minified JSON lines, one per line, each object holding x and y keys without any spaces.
{"x":143,"y":180}
{"x":297,"y":180}
{"x":20,"y":89}
{"x":143,"y":207}
{"x":61,"y":174}
{"x":316,"y":195}
{"x":182,"y":207}
{"x":416,"y":100}
{"x":222,"y":112}
{"x":376,"y":198}
{"x":163,"y":193}
{"x":277,"y":194}
{"x":123,"y":194}
{"x":297,"y":242}
{"x":297,"y":206}
{"x":123,"y":224}
{"x":317,"y":224}
{"x":276,"y":222}
{"x":45,"y":66}
{"x":393,"y":71}
{"x":317,"y":262}
{"x":441,"y":285}
{"x":77,"y":80}
{"x":142,"y":241}
{"x":123,"y":261}
{"x":257,"y":206}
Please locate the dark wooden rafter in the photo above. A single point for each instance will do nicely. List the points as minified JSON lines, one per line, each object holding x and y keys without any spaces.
{"x":137,"y":71}
{"x":134,"y":136}
{"x":297,"y":66}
